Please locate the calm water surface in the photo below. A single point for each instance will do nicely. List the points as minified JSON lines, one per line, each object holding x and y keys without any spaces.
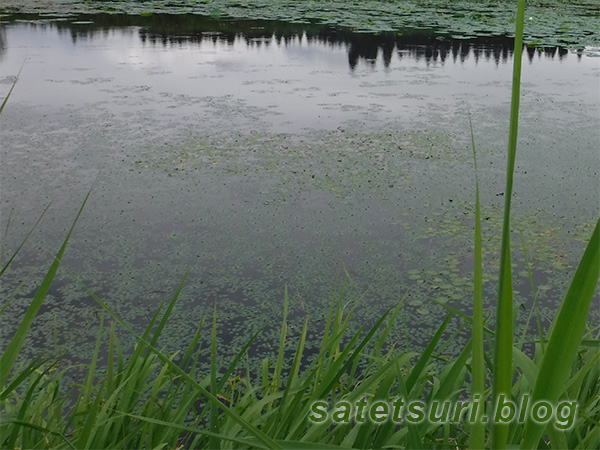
{"x":259,"y":155}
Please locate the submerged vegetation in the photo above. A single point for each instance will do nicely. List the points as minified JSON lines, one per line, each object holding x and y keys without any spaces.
{"x":150,"y":399}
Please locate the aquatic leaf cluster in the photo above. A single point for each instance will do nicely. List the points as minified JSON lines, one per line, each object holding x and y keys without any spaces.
{"x":251,"y":210}
{"x":550,"y":23}
{"x":281,"y":209}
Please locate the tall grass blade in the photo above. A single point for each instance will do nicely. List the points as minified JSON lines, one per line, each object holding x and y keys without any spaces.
{"x":12,"y":350}
{"x":86,"y":434}
{"x":163,"y":321}
{"x":214,"y":411}
{"x":534,"y":307}
{"x":230,"y":369}
{"x":5,"y":266}
{"x":565,"y":336}
{"x":11,"y":88}
{"x":283,"y":404}
{"x":22,"y":376}
{"x":276,"y":381}
{"x":88,"y":384}
{"x":414,"y":438}
{"x":426,"y":355}
{"x":448,"y":383}
{"x":478,"y":372}
{"x":110,"y":374}
{"x":503,"y":367}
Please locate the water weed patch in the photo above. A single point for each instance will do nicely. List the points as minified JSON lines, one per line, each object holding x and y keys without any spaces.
{"x":550,"y":22}
{"x":146,"y":396}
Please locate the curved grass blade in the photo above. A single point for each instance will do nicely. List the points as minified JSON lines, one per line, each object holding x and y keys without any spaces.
{"x":426,"y":355}
{"x":165,"y":317}
{"x":23,"y":241}
{"x":11,"y":88}
{"x":566,"y":333}
{"x":12,"y":350}
{"x":466,"y":317}
{"x":214,"y":411}
{"x":22,"y":376}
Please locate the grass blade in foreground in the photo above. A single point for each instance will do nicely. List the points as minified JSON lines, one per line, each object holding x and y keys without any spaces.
{"x":503,"y":368}
{"x":478,"y":377}
{"x":11,"y":89}
{"x":12,"y":350}
{"x":565,"y":337}
{"x":14,"y":255}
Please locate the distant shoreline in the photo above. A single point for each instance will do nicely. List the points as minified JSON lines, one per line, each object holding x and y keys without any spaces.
{"x":549,"y":22}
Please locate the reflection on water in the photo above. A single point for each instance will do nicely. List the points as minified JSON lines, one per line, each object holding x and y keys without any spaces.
{"x":261,"y":154}
{"x":184,"y":30}
{"x":364,"y":48}
{"x":294,"y":76}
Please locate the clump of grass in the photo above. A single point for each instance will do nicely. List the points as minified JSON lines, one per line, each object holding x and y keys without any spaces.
{"x":148,"y":399}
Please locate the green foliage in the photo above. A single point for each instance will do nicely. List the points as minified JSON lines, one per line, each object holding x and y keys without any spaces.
{"x":5,"y":101}
{"x":478,"y":378}
{"x":504,"y":340}
{"x":552,"y":23}
{"x":148,"y":399}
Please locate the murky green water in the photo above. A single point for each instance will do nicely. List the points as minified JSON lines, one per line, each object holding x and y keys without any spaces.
{"x":259,"y":155}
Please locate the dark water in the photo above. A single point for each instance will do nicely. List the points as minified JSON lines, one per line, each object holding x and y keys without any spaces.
{"x":259,"y":155}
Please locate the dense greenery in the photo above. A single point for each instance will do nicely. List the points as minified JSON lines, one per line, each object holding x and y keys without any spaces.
{"x":149,"y":399}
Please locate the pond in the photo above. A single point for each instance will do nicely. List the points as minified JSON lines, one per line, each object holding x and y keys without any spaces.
{"x":259,"y":155}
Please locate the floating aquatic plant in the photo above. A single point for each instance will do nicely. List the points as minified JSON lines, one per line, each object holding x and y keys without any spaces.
{"x":152,"y":399}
